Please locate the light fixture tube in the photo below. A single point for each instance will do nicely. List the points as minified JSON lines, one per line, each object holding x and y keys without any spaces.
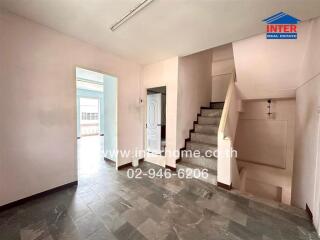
{"x":130,"y":14}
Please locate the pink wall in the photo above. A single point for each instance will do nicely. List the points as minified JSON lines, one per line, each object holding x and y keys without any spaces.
{"x":38,"y":104}
{"x":194,"y":90}
{"x":307,"y":122}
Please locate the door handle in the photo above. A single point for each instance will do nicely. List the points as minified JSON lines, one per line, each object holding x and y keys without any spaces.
{"x":159,"y":125}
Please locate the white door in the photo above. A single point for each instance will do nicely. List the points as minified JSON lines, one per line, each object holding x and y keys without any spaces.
{"x":316,"y":218}
{"x":154,"y":123}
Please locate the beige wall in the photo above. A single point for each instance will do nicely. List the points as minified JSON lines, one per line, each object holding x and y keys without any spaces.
{"x":307,"y":115}
{"x":266,"y":147}
{"x":38,"y":97}
{"x":269,"y":68}
{"x":194,"y":91}
{"x":222,"y":68}
{"x":164,"y":73}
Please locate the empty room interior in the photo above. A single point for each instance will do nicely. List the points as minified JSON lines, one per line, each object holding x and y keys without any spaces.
{"x":159,"y":120}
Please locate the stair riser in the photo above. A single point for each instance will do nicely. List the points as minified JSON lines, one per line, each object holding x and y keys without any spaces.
{"x":210,"y":163}
{"x":210,"y":139}
{"x":211,"y":112}
{"x":212,"y":179}
{"x":209,"y":120}
{"x":206,"y":129}
{"x":217,"y":105}
{"x":201,"y":149}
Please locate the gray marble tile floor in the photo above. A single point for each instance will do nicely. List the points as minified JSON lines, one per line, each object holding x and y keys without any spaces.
{"x":107,"y":205}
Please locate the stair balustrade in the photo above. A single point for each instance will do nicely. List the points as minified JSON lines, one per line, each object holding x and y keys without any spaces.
{"x":228,"y":172}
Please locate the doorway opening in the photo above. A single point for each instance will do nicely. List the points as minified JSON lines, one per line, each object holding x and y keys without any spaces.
{"x":156,"y":120}
{"x":96,"y":119}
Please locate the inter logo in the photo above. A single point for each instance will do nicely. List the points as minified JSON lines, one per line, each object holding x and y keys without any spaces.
{"x":281,"y":26}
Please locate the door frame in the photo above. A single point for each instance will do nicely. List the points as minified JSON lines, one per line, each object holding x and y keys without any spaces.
{"x":76,"y":109}
{"x":316,"y":205}
{"x":150,"y":157}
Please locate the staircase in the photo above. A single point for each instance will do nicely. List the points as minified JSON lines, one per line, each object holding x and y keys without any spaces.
{"x":203,"y":137}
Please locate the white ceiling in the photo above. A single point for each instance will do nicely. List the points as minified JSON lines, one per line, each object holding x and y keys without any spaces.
{"x":165,"y":28}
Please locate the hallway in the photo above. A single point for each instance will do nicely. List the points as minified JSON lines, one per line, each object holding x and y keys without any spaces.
{"x":107,"y":205}
{"x":90,"y":156}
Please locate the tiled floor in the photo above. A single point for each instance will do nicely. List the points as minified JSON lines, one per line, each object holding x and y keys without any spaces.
{"x":107,"y":205}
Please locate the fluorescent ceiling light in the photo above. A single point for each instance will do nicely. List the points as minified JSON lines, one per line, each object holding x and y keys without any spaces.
{"x":131,"y":13}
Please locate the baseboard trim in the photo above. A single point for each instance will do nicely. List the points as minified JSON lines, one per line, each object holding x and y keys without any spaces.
{"x":36,"y":196}
{"x":171,"y":168}
{"x":180,"y":152}
{"x":108,"y":159}
{"x":129,"y":164}
{"x":309,"y":212}
{"x":224,"y":186}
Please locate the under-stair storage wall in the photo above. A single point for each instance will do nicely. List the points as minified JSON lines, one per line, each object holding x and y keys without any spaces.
{"x":222,"y":68}
{"x":265,"y":146}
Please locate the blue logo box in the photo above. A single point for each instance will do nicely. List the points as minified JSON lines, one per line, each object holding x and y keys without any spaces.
{"x":282,"y":35}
